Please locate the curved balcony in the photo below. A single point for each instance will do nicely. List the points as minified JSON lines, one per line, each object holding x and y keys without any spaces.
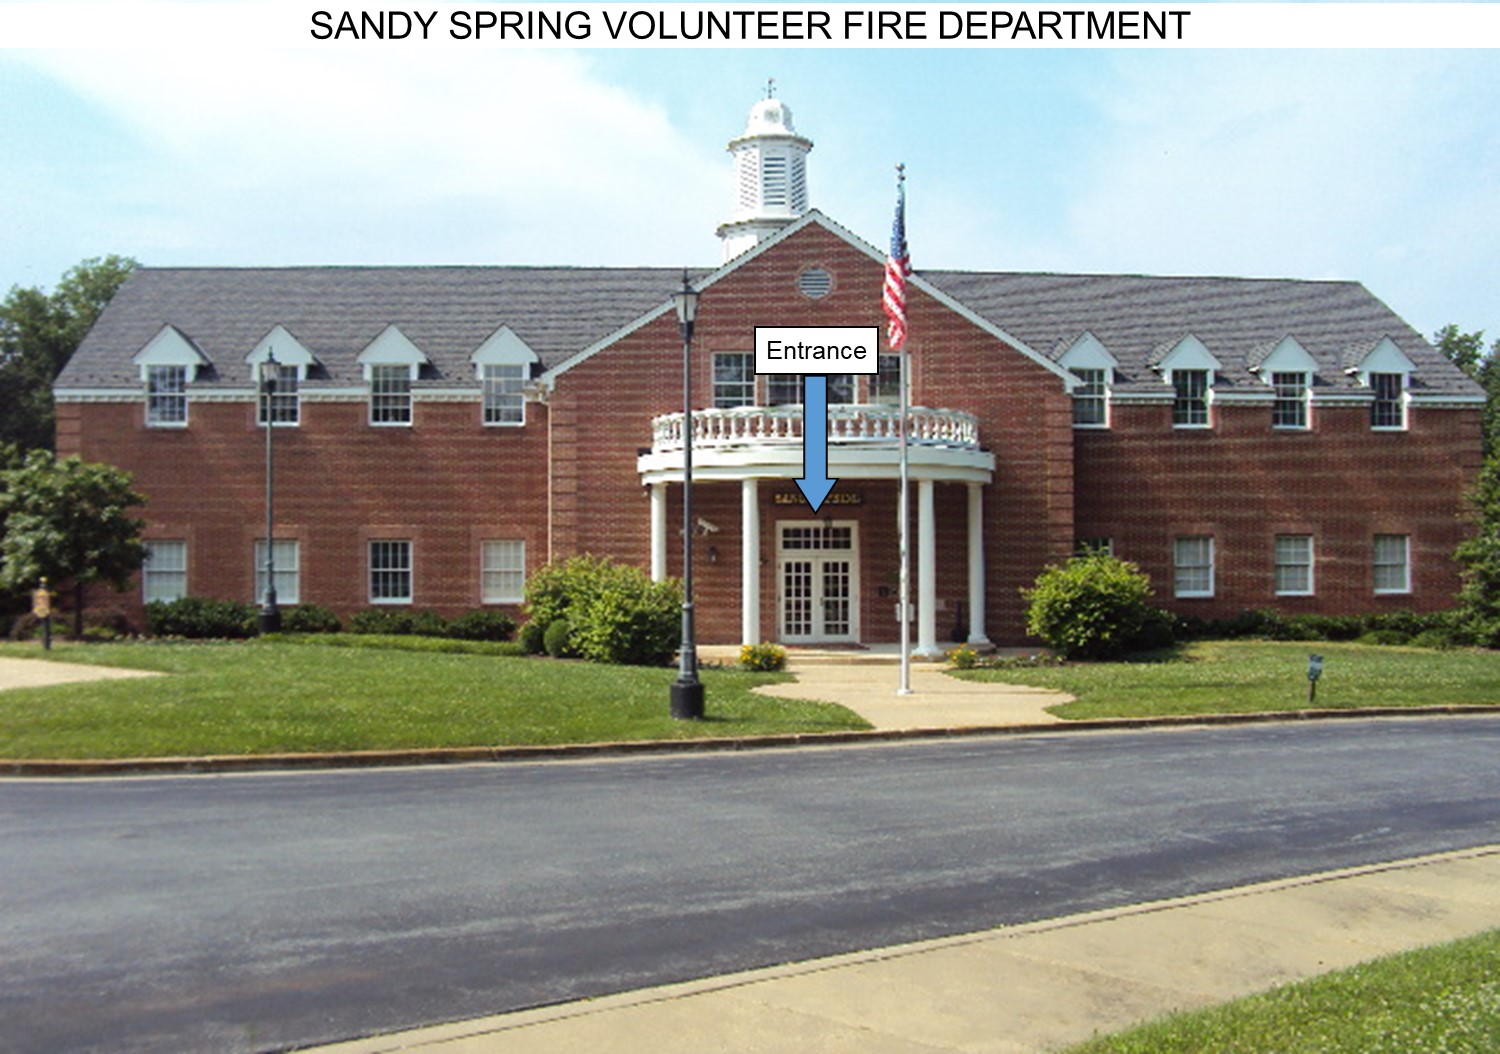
{"x":863,"y":442}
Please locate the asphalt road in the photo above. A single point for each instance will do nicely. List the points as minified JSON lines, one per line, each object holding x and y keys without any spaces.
{"x":252,"y":913}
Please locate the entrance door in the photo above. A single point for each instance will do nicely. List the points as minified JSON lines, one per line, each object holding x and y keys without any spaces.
{"x":817,"y":581}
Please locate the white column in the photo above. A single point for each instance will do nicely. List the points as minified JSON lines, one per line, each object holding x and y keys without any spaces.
{"x":927,"y":645}
{"x":750,"y":561}
{"x":658,"y":531}
{"x":976,"y":565}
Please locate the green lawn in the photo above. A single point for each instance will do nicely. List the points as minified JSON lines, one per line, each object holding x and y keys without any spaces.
{"x":260,"y":698}
{"x":1215,"y":677}
{"x":1442,"y":1000}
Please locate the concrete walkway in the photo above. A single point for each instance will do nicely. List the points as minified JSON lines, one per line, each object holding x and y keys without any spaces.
{"x":1030,"y":988}
{"x":38,"y":673}
{"x":937,"y":700}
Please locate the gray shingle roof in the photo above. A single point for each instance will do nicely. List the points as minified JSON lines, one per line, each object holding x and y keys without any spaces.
{"x":336,"y":311}
{"x":1136,"y":316}
{"x":449,"y":311}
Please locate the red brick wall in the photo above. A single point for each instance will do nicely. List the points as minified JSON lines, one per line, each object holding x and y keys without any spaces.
{"x":447,"y":484}
{"x":1142,"y":483}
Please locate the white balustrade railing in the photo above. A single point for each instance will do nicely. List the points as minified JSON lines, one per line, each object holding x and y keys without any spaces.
{"x":749,"y":426}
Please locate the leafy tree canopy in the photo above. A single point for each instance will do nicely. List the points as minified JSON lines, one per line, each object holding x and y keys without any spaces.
{"x":68,"y":520}
{"x":38,"y":334}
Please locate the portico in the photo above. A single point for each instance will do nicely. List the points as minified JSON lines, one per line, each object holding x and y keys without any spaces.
{"x":817,"y":560}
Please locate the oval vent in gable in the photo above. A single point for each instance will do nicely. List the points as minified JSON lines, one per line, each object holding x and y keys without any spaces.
{"x":815,"y":283}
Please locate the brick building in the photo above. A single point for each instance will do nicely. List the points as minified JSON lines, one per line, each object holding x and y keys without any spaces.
{"x":441,"y":432}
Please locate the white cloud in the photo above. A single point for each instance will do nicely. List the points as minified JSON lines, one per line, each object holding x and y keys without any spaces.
{"x":269,"y":144}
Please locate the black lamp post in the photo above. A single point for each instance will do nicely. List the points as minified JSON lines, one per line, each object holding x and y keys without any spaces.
{"x":270,"y":614}
{"x":687,"y":690}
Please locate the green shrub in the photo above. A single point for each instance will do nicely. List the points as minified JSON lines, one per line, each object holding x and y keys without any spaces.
{"x":200,"y":618}
{"x":963,"y":657}
{"x":531,"y":637}
{"x":309,"y":618}
{"x":482,"y":625}
{"x":766,"y":658}
{"x":1092,"y":607}
{"x":615,"y":612}
{"x":428,"y":624}
{"x":1383,"y":637}
{"x":1440,"y":639}
{"x":391,"y":621}
{"x":558,"y":640}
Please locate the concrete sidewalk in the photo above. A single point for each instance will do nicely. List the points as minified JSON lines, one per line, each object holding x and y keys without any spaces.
{"x":1031,"y":988}
{"x":38,"y":673}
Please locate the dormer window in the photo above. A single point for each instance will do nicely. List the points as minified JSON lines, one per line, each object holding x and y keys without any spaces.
{"x":1189,"y":368}
{"x":166,"y":396}
{"x":1189,"y":398}
{"x":1386,"y":370}
{"x":503,"y":364}
{"x":390,"y":395}
{"x":168,"y":363}
{"x":391,"y":362}
{"x":1388,"y":410}
{"x":283,"y":403}
{"x":1093,"y":365}
{"x":1290,"y":407}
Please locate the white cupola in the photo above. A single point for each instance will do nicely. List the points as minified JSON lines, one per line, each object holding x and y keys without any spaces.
{"x":770,"y":176}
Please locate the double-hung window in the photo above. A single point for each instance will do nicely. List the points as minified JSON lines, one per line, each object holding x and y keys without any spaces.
{"x":1091,"y":399}
{"x":390,"y":572}
{"x":734,"y":379}
{"x":166,"y":396}
{"x":885,"y":386}
{"x":164,"y":574}
{"x":1290,"y":407}
{"x":390,"y":395}
{"x":1193,"y":566}
{"x":503,"y":571}
{"x":1190,"y":398}
{"x":1294,"y":565}
{"x":504,"y":401}
{"x":283,"y":404}
{"x":1392,"y":565}
{"x":1389,"y":408}
{"x":785,"y":389}
{"x":288,"y":560}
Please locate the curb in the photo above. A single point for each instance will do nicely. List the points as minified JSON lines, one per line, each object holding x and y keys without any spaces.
{"x":235,"y":763}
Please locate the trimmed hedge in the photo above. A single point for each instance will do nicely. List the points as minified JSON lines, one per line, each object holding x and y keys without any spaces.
{"x":199,"y":618}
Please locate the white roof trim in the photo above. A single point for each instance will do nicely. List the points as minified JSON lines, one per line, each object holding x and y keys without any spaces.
{"x":170,"y":347}
{"x":790,"y":230}
{"x":392,"y":348}
{"x":1384,"y":357}
{"x":503,"y":348}
{"x":1189,"y":353}
{"x":1287,"y":357}
{"x":288,"y":349}
{"x":1088,"y":353}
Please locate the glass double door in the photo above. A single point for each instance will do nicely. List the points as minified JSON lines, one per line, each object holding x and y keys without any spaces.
{"x":817,"y":575}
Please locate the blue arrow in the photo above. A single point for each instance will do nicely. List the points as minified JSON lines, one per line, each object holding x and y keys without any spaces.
{"x":815,"y":483}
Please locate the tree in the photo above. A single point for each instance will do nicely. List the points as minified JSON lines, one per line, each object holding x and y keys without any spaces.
{"x":68,"y":521}
{"x":38,"y":334}
{"x":1466,"y":351}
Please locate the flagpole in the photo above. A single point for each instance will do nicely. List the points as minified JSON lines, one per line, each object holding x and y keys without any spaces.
{"x":901,"y":260}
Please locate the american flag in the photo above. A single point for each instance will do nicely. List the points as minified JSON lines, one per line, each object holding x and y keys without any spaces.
{"x":897,"y":267}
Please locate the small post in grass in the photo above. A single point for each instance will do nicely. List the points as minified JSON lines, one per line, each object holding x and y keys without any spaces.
{"x":41,"y":607}
{"x":1314,"y":671}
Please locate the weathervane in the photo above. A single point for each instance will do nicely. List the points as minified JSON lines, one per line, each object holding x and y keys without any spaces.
{"x":770,"y":87}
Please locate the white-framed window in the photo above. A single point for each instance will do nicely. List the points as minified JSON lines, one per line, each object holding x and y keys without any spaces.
{"x":1294,"y":565}
{"x":503,"y":571}
{"x":504,"y":402}
{"x":1388,"y":410}
{"x":390,"y":572}
{"x":1193,"y":565}
{"x":1290,"y":407}
{"x":1096,"y":546}
{"x":734,"y":379}
{"x":166,"y":396}
{"x":390,"y":395}
{"x":785,"y":389}
{"x":164,"y":574}
{"x":1189,"y":398}
{"x":1392,"y":563}
{"x":885,"y":386}
{"x":1091,"y":398}
{"x":288,"y":554}
{"x":285,"y":403}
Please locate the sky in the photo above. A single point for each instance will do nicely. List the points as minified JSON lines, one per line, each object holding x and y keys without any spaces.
{"x":1381,"y":166}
